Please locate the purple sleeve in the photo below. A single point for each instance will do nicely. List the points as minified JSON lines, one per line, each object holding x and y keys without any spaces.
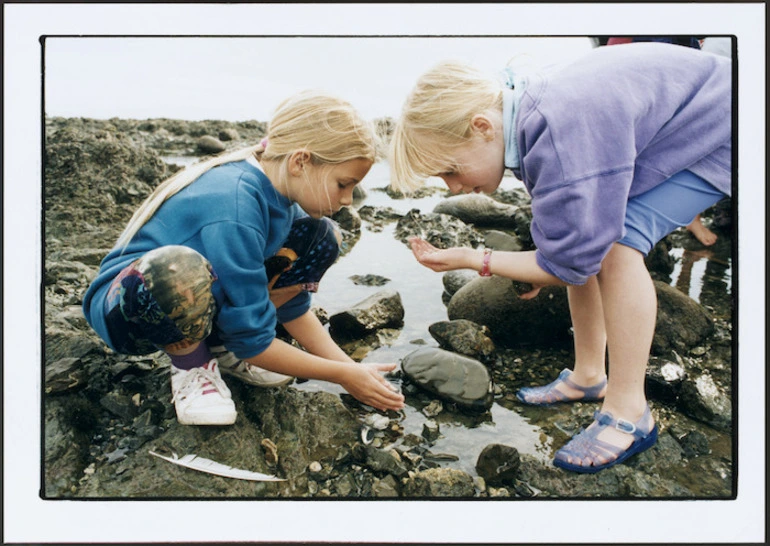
{"x":574,"y":225}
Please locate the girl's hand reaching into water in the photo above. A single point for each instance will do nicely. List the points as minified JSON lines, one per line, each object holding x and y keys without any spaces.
{"x":437,"y":259}
{"x":365,"y":383}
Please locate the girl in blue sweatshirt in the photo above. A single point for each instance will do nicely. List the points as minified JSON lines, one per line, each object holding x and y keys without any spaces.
{"x":617,"y":150}
{"x":225,"y":249}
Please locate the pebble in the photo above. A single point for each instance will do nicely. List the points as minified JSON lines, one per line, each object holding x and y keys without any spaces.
{"x":315,"y":467}
{"x":431,"y":431}
{"x":433,"y":409}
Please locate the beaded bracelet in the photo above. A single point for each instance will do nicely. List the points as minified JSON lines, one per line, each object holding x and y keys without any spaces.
{"x":485,"y":272}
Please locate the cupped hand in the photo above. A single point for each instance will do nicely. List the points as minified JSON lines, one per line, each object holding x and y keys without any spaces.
{"x":365,"y":383}
{"x":434,"y":258}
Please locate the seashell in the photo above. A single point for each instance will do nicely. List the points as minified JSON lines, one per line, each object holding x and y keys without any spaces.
{"x":367,"y":434}
{"x":271,"y":451}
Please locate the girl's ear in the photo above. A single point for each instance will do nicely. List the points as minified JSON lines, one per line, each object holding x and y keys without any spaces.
{"x":297,"y":162}
{"x":482,"y":125}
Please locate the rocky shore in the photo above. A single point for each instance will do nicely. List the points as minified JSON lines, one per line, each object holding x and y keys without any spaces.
{"x":105,"y":412}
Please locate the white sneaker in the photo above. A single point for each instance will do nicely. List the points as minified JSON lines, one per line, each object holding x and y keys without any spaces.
{"x":201,"y":397}
{"x":248,"y":373}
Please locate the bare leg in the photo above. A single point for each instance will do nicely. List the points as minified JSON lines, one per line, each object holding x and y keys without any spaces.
{"x":630,"y":306}
{"x":585,"y":304}
{"x":701,"y":232}
{"x":586,"y":311}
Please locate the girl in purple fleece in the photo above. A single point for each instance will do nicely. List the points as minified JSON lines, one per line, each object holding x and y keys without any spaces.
{"x":616,"y":150}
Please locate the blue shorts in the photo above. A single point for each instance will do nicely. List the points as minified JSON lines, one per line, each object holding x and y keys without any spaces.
{"x":675,"y":203}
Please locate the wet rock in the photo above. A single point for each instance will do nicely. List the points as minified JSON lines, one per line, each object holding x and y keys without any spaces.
{"x":369,"y":280}
{"x":497,"y":240}
{"x":65,"y":450}
{"x":228,"y":134}
{"x":431,"y":430}
{"x":386,"y":487}
{"x":703,"y":400}
{"x":522,"y":220}
{"x":453,"y":281}
{"x":515,"y":196}
{"x":494,"y":302}
{"x":378,"y":214}
{"x":433,"y":409}
{"x":695,"y":444}
{"x":440,"y":230}
{"x":119,"y":405}
{"x":381,"y":310}
{"x":477,"y":209}
{"x":305,"y":426}
{"x":498,"y":464}
{"x":210,"y":145}
{"x":664,"y":379}
{"x":61,"y":344}
{"x":379,"y":460}
{"x":439,"y":482}
{"x":660,"y":262}
{"x":463,"y":337}
{"x":63,"y":375}
{"x":456,"y":378}
{"x":681,"y":322}
{"x":348,"y":219}
{"x":345,"y":485}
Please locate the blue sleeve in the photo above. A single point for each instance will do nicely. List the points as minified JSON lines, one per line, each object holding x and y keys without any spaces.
{"x":247,"y":317}
{"x":294,"y":308}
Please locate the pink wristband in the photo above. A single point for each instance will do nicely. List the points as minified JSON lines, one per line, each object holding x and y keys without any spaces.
{"x":485,"y":272}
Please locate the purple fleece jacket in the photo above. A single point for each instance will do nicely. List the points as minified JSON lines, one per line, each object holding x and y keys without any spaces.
{"x":614,"y":124}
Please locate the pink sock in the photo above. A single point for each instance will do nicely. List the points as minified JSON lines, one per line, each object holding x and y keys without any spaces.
{"x":199,"y":357}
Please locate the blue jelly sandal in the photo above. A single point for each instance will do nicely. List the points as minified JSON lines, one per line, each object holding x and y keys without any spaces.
{"x":549,"y":394}
{"x":586,"y":445}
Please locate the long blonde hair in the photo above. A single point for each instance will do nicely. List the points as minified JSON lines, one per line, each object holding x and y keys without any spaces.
{"x":329,"y":128}
{"x":436,"y":120}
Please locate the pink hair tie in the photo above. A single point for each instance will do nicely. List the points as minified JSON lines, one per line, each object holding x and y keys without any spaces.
{"x":263,"y":142}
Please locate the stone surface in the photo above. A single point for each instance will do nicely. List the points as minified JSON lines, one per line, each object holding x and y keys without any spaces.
{"x":453,"y":377}
{"x":498,"y":464}
{"x":381,"y":310}
{"x":477,"y":209}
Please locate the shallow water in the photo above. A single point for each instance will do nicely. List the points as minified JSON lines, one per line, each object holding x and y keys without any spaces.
{"x":380,"y":253}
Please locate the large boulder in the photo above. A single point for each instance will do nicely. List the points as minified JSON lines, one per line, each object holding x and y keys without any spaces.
{"x":494,"y":302}
{"x":477,"y":209}
{"x":682,"y":323}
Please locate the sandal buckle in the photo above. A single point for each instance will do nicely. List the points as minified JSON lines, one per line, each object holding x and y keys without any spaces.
{"x":625,"y":426}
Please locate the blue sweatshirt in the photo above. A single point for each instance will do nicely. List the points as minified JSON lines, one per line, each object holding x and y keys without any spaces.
{"x":616,"y":123}
{"x":234,"y":217}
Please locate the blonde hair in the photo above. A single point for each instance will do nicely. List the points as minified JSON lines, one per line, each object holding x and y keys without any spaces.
{"x":436,"y":120}
{"x":327,"y":127}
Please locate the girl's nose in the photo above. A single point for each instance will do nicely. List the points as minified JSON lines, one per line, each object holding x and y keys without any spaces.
{"x":346,"y":199}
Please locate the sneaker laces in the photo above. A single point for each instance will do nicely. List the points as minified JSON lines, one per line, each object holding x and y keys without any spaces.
{"x":245,"y":368}
{"x":200,"y":381}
